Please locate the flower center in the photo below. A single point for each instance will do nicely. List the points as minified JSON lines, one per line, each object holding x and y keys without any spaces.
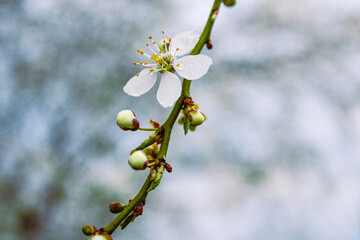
{"x":161,"y":56}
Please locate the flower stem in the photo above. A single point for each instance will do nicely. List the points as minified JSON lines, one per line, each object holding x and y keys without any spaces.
{"x":167,"y":126}
{"x":148,"y":129}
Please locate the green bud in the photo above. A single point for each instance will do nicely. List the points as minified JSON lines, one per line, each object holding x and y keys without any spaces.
{"x":196,"y":117}
{"x":116,"y":207}
{"x":229,"y":3}
{"x":88,"y":230}
{"x":138,"y":160}
{"x":126,"y":120}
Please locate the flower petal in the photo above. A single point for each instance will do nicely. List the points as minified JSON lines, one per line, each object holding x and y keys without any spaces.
{"x":138,"y":85}
{"x":185,"y":41}
{"x":192,"y":67}
{"x":169,"y":89}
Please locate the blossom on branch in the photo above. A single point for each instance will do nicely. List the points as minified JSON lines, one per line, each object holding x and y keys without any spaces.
{"x":167,"y":59}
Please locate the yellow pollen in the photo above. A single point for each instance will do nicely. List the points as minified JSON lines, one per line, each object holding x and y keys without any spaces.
{"x":147,"y":44}
{"x":169,"y":39}
{"x":150,"y":37}
{"x":146,"y":63}
{"x":164,"y":69}
{"x":162,"y":32}
{"x":151,"y":70}
{"x":154,"y":42}
{"x":178,"y":64}
{"x":141,"y":62}
{"x":177,"y":49}
{"x":134,"y":63}
{"x":142,"y":52}
{"x":137,"y":74}
{"x":138,"y":50}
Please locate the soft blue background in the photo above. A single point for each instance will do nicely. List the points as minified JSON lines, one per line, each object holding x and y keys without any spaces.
{"x":278,"y":158}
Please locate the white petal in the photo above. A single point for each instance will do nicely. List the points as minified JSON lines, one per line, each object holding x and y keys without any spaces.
{"x":169,"y":90}
{"x":193,"y":67}
{"x":138,"y":85}
{"x":185,"y":41}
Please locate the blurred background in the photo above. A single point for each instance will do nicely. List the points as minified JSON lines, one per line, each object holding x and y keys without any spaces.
{"x":278,"y":157}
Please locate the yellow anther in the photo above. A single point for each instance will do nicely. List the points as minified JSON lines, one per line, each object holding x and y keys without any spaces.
{"x":178,"y":64}
{"x":162,"y":32}
{"x":169,"y":39}
{"x":177,"y":49}
{"x":154,"y":42}
{"x":150,"y":37}
{"x":164,"y":69}
{"x":147,"y":44}
{"x":146,"y":63}
{"x":137,"y":74}
{"x":141,"y":62}
{"x":141,"y":52}
{"x":138,"y":50}
{"x":151,"y":70}
{"x":134,"y":63}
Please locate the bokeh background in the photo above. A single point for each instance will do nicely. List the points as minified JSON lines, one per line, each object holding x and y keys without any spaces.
{"x":278,"y":157}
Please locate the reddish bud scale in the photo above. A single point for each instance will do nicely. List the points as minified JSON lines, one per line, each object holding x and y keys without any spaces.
{"x":139,"y":209}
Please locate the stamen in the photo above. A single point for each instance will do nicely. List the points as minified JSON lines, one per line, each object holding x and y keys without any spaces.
{"x":146,"y":63}
{"x":141,"y":62}
{"x":154,"y":42}
{"x":162,"y":32}
{"x":178,"y":64}
{"x":164,"y":69}
{"x":138,"y":50}
{"x":151,"y":70}
{"x":150,"y":37}
{"x":137,"y":74}
{"x":177,"y":49}
{"x":134,"y":63}
{"x":147,"y":44}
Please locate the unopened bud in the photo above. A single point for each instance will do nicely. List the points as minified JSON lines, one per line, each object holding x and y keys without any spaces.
{"x":138,"y":160}
{"x":101,"y":236}
{"x":229,"y":3}
{"x":196,"y":117}
{"x":88,"y":230}
{"x":126,"y":120}
{"x":116,"y":207}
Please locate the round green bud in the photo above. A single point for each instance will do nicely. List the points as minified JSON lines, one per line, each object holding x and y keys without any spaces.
{"x":88,"y":230}
{"x":138,"y":160}
{"x":126,"y":120}
{"x":196,"y":117}
{"x":162,"y":43}
{"x":229,"y":3}
{"x":116,"y":207}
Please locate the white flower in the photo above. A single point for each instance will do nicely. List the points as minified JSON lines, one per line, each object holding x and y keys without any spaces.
{"x":166,"y":62}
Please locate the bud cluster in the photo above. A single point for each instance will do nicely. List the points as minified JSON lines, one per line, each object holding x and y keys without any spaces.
{"x":192,"y":116}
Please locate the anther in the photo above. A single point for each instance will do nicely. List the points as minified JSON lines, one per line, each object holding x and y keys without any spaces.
{"x":138,"y":50}
{"x":162,"y":32}
{"x":178,"y":64}
{"x":151,"y":70}
{"x":177,"y":49}
{"x":141,"y":62}
{"x":142,"y":52}
{"x":137,"y":74}
{"x":150,"y":37}
{"x":147,"y":44}
{"x":146,"y":63}
{"x":164,"y":69}
{"x":134,"y":63}
{"x":154,"y":42}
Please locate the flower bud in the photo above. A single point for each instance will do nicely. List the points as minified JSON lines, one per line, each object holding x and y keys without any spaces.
{"x":138,"y":160}
{"x":229,"y":3}
{"x":102,"y":236}
{"x":126,"y":120}
{"x":162,"y":43}
{"x":116,"y":207}
{"x":88,"y":230}
{"x":196,"y":117}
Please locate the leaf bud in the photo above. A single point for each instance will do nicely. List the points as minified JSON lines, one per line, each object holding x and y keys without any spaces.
{"x":229,"y":3}
{"x":138,"y":160}
{"x":196,"y":117}
{"x":116,"y":207}
{"x":126,"y":120}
